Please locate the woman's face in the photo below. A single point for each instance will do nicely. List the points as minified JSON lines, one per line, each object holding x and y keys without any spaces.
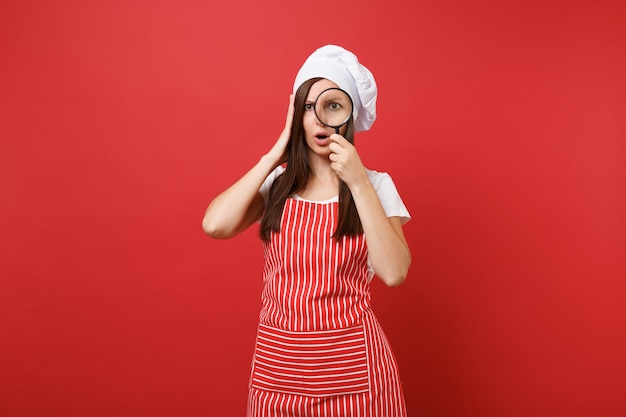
{"x":316,"y":134}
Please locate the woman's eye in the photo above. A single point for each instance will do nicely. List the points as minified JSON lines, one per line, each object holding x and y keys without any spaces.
{"x":334,"y":106}
{"x":308,"y":106}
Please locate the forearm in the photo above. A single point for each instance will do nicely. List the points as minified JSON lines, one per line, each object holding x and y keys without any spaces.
{"x":238,"y":206}
{"x":388,"y":251}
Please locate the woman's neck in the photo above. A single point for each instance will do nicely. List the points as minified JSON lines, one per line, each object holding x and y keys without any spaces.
{"x":321,"y":167}
{"x":323,"y":183}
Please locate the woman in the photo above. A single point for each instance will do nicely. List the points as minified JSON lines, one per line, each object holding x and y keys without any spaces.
{"x":320,"y":350}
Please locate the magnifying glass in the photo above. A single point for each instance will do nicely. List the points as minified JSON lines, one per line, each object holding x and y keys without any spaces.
{"x":333,"y":107}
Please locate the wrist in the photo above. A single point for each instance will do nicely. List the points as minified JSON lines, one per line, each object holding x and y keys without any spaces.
{"x":361,"y":185}
{"x":270,"y":160}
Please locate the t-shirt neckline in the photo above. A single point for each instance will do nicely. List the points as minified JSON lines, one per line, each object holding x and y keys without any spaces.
{"x":330,"y":200}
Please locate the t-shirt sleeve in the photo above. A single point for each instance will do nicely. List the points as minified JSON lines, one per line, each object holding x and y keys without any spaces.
{"x":267,"y":184}
{"x":388,"y":195}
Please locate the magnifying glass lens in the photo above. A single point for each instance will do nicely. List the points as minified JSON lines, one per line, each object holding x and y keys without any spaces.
{"x":333,"y":107}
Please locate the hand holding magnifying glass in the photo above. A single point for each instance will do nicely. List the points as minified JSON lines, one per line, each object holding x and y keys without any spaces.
{"x":333,"y":108}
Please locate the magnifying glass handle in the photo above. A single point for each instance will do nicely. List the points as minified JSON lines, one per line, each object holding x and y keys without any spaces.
{"x":337,"y":130}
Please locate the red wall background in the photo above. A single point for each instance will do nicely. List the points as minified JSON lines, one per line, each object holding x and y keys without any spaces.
{"x":502,"y":124}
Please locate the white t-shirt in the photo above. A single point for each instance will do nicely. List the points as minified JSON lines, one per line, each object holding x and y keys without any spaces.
{"x":381,"y":181}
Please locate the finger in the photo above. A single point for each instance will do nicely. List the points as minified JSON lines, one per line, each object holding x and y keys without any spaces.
{"x":290,"y":111}
{"x":335,"y":147}
{"x":335,"y":137}
{"x":336,"y":167}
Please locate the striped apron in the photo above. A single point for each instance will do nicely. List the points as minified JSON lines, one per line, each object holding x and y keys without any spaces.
{"x":320,"y":351}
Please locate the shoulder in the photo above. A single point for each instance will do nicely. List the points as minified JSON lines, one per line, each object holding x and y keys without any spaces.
{"x":379,"y":179}
{"x":267,"y":184}
{"x":277,"y":172}
{"x":388,"y":195}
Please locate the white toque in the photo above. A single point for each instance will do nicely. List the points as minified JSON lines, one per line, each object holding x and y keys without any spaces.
{"x":343,"y":68}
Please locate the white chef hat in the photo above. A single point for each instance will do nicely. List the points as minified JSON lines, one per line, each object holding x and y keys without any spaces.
{"x":343,"y":68}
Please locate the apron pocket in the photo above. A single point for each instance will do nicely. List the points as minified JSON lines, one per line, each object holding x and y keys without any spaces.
{"x":315,"y":363}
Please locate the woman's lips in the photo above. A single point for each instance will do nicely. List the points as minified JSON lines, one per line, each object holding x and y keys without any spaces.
{"x":321,"y":139}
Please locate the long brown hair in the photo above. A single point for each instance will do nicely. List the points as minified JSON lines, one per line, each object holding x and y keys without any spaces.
{"x":297,"y":175}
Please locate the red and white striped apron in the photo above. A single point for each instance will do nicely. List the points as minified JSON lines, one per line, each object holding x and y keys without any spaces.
{"x":320,"y":351}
